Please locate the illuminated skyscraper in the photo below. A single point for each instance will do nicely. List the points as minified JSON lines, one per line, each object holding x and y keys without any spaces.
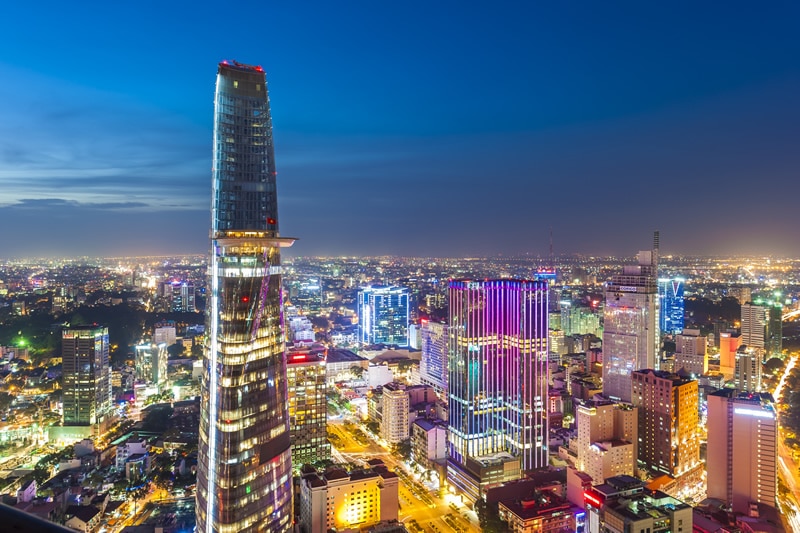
{"x":180,"y":295}
{"x":669,"y":442}
{"x":754,"y":325}
{"x":497,"y":386}
{"x":151,"y":364}
{"x":670,"y":295}
{"x":244,"y":477}
{"x":308,"y":405}
{"x":742,"y":449}
{"x":630,"y":334}
{"x":87,"y":376}
{"x":383,"y":315}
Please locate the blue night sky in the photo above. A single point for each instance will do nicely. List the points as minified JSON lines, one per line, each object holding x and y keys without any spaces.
{"x":410,"y":128}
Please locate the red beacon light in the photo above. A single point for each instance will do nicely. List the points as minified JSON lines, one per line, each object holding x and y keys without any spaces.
{"x":245,"y":299}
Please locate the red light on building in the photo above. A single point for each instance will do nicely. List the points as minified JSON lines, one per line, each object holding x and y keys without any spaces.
{"x":271,"y":221}
{"x":245,"y":299}
{"x":594,"y":499}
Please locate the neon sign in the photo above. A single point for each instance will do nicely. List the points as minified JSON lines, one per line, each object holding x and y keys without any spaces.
{"x":590,"y":497}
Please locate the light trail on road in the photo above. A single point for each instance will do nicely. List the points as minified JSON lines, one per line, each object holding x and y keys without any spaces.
{"x":789,"y":366}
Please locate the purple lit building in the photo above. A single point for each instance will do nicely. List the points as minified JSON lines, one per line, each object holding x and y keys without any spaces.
{"x":497,"y":382}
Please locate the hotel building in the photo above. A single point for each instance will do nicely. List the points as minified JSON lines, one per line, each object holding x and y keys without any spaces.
{"x":742,"y":449}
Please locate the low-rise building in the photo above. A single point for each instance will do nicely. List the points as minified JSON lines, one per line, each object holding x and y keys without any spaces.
{"x":622,"y":505}
{"x":539,"y":512}
{"x":129,"y":448}
{"x":428,"y":442}
{"x":84,"y":518}
{"x":347,"y":501}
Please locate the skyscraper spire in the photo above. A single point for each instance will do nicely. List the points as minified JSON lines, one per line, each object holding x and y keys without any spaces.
{"x":244,"y":478}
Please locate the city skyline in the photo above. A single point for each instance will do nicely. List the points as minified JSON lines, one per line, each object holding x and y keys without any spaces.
{"x":585,"y":113}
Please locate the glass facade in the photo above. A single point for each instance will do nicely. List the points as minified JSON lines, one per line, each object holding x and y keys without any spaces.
{"x":498,"y":373}
{"x":87,"y":375}
{"x":670,"y":295}
{"x":383,"y":315}
{"x":151,"y":364}
{"x":433,"y":362}
{"x":630,"y":326}
{"x":244,"y":478}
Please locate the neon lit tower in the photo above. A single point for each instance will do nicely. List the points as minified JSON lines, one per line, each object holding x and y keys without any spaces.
{"x":497,"y":381}
{"x":672,"y":306}
{"x":244,"y":477}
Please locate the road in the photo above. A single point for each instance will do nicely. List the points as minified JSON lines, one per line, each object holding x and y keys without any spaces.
{"x":420,"y":508}
{"x":787,"y":467}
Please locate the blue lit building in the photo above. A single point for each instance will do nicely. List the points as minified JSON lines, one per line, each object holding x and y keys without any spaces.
{"x":433,"y":362}
{"x":383,"y":315}
{"x":670,"y":296}
{"x":244,"y":474}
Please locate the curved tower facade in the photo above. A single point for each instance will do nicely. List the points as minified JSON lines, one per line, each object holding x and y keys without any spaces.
{"x":244,"y":477}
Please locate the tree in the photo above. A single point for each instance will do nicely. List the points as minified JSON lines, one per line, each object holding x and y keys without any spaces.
{"x":158,"y":418}
{"x":357,"y":372}
{"x":403,"y":449}
{"x":175,"y":351}
{"x":774,"y":365}
{"x":6,"y":400}
{"x":489,"y":517}
{"x":197,"y":350}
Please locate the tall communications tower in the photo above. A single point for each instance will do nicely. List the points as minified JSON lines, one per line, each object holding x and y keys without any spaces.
{"x":244,"y":477}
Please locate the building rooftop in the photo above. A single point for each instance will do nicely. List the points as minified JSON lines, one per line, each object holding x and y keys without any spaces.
{"x":82,"y":512}
{"x":537,"y":504}
{"x":340,"y":355}
{"x":233,"y":64}
{"x":662,"y":374}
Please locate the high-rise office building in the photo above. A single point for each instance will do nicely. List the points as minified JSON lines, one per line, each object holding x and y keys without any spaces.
{"x":165,"y":332}
{"x":607,"y":439}
{"x":244,"y":476}
{"x":180,"y":295}
{"x":308,"y":405}
{"x":87,"y":376}
{"x":774,"y":341}
{"x":668,"y":424}
{"x":630,"y":335}
{"x":690,"y":352}
{"x":742,"y":449}
{"x":671,"y":313}
{"x":729,"y":343}
{"x":747,"y":370}
{"x":383,"y":315}
{"x":433,"y":362}
{"x":754,"y":325}
{"x":497,"y":386}
{"x":151,"y":364}
{"x":396,"y":406}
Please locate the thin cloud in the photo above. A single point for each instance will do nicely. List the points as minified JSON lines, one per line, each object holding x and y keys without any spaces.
{"x":61,"y":203}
